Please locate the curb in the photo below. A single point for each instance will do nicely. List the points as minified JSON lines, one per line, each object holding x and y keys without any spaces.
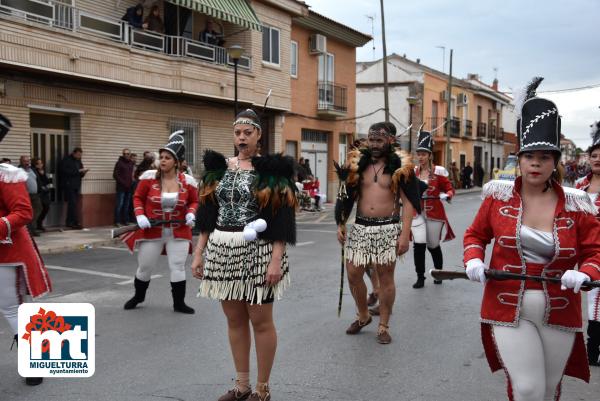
{"x":76,"y":247}
{"x":468,"y":192}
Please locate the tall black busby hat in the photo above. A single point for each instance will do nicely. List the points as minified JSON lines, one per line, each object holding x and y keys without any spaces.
{"x":175,"y":145}
{"x":595,"y":134}
{"x":424,"y":141}
{"x":538,"y":127}
{"x":5,"y":126}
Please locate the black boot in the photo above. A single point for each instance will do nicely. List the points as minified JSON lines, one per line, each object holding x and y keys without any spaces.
{"x":140,"y":293}
{"x":438,"y":260}
{"x":178,"y":291}
{"x":419,"y":256}
{"x":593,"y":344}
{"x":30,"y":381}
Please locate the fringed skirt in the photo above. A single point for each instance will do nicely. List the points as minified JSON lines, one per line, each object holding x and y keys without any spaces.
{"x":372,"y":241}
{"x":236,"y":270}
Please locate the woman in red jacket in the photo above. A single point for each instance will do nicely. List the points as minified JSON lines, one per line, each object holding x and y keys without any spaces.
{"x":21,"y":267}
{"x":170,"y":197}
{"x":591,"y":185}
{"x":531,"y":329}
{"x":427,"y":227}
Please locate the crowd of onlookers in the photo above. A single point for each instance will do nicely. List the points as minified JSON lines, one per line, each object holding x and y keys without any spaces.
{"x":309,"y":187}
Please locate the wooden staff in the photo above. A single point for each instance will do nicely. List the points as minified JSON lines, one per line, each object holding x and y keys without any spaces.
{"x":117,"y":232}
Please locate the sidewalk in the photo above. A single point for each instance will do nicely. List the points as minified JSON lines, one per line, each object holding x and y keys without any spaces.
{"x":78,"y":240}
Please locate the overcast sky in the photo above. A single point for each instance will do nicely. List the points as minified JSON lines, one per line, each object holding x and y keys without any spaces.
{"x":556,"y":39}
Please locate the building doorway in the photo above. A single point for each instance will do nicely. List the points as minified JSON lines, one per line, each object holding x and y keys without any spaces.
{"x":314,"y":149}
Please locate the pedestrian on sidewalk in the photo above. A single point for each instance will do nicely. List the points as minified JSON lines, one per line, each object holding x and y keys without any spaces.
{"x":21,"y":267}
{"x":467,"y":172}
{"x":71,"y":173}
{"x":44,"y":184}
{"x":123,"y":175}
{"x":378,"y":180}
{"x":533,"y":329}
{"x":32,"y":189}
{"x":246,"y":218}
{"x":168,"y":195}
{"x":427,"y":226}
{"x":591,"y":185}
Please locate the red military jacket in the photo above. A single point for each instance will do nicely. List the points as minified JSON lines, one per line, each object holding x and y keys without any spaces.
{"x":147,"y":201}
{"x":583,"y":184}
{"x":16,"y":246}
{"x":431,"y":205}
{"x":577,"y":238}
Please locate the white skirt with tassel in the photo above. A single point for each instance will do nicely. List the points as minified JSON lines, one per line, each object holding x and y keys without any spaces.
{"x":236,"y":270}
{"x":372,"y":245}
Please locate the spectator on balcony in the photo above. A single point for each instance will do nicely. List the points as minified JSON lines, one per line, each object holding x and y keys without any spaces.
{"x":134,"y":16}
{"x":210,"y":36}
{"x":154,"y":22}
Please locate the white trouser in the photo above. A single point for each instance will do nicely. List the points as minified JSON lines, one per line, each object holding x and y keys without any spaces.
{"x":150,"y":250}
{"x":10,"y":299}
{"x":534,"y":355}
{"x":426,"y":231}
{"x":593,"y":298}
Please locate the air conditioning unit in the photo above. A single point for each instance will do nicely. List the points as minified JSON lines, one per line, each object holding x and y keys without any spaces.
{"x":318,"y":44}
{"x":463,"y":100}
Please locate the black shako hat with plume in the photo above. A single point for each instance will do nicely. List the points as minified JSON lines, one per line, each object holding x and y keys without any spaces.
{"x":424,"y":141}
{"x":538,"y":126}
{"x":175,"y":145}
{"x":5,"y":126}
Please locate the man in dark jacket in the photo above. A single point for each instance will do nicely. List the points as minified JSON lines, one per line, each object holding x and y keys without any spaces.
{"x":123,"y":174}
{"x":135,"y":16}
{"x":467,"y":171}
{"x":71,"y":171}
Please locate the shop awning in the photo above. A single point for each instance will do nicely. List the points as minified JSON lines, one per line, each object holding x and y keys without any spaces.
{"x":237,"y":12}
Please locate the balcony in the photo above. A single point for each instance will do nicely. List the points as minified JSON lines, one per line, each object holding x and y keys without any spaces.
{"x":468,"y":128}
{"x":65,"y":17}
{"x":455,"y":127}
{"x":481,"y":130}
{"x":492,"y":132}
{"x":332,"y":101}
{"x":500,"y":136}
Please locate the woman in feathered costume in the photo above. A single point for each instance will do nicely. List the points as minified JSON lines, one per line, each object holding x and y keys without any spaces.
{"x":246,"y":218}
{"x":533,"y":329}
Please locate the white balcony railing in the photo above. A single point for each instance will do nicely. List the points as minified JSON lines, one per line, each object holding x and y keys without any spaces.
{"x":62,"y":16}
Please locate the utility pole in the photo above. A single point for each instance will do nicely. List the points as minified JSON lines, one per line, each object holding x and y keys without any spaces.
{"x":449,"y":115}
{"x":386,"y":99}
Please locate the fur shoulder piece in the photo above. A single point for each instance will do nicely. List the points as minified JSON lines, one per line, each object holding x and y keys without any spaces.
{"x":11,"y":174}
{"x":352,"y":164}
{"x":498,"y":189}
{"x":215,"y":166}
{"x":148,"y":175}
{"x":190,"y":180}
{"x":275,"y":181}
{"x":441,"y":170}
{"x":404,"y":170}
{"x":577,"y":200}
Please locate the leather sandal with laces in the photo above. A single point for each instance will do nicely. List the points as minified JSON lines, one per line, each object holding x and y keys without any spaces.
{"x":256,"y":395}
{"x":383,"y":335}
{"x":357,"y":326}
{"x":235,"y":395}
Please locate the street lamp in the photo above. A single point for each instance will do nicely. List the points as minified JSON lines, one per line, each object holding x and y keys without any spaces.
{"x":412,"y":102}
{"x":491,"y":123}
{"x":235,"y":52}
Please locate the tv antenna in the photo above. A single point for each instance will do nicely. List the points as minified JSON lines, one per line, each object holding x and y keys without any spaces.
{"x":372,"y":19}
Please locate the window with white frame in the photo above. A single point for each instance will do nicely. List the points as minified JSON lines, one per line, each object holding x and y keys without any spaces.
{"x":294,"y":59}
{"x":191,"y":130}
{"x":270,"y":44}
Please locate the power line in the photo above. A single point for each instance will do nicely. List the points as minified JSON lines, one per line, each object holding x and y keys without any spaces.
{"x":574,"y":89}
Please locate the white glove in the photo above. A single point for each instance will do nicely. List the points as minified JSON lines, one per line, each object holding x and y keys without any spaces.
{"x":573,"y":279}
{"x":444,"y":196}
{"x":190,"y":219}
{"x":143,"y":222}
{"x":476,"y":270}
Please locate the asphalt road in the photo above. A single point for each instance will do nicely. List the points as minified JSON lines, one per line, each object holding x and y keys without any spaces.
{"x":152,"y":353}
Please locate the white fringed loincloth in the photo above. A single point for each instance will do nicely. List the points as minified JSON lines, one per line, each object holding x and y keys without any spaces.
{"x":235,"y":269}
{"x":372,"y":245}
